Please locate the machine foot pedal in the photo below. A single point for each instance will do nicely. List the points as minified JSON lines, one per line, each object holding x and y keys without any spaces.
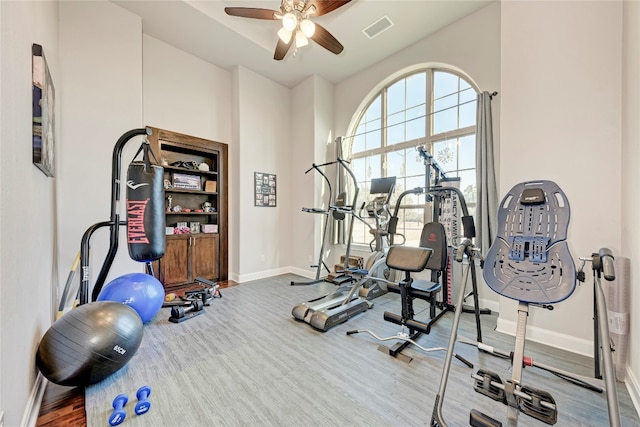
{"x":483,"y":385}
{"x":400,"y":356}
{"x":542,"y":406}
{"x":478,"y":419}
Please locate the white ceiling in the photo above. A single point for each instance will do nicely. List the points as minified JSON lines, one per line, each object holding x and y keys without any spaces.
{"x":203,"y":29}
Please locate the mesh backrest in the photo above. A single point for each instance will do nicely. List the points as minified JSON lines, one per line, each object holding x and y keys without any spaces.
{"x":434,"y":237}
{"x":529,"y":260}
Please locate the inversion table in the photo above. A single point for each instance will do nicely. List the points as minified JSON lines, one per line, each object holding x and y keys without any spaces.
{"x":530,"y":262}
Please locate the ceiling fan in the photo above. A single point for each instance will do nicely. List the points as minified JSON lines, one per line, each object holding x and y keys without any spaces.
{"x":297,"y":27}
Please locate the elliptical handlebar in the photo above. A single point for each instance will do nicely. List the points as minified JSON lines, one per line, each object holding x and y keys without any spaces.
{"x":607,"y":264}
{"x":314,"y":166}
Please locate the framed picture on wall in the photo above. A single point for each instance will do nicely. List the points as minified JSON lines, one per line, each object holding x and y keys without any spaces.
{"x":265,"y":189}
{"x":43,"y":98}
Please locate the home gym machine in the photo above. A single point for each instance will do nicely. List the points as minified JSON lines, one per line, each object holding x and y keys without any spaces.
{"x":433,"y":240}
{"x":448,"y":203}
{"x":325,"y":213}
{"x":530,"y":262}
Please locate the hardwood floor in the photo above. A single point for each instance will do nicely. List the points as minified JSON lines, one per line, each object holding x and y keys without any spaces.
{"x":62,"y":406}
{"x":65,"y":406}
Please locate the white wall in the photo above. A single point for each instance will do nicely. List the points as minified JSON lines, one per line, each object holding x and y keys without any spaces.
{"x":631,"y":180}
{"x":184,"y":94}
{"x":263,"y":145}
{"x":28,"y":245}
{"x":305,"y":188}
{"x":471,"y":45}
{"x":101,"y":76}
{"x":312,"y":130}
{"x":561,"y":109}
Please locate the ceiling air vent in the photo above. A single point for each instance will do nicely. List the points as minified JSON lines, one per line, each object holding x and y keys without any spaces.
{"x":378,"y":27}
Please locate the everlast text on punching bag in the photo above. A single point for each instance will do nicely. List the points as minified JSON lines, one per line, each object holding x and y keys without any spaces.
{"x":145,"y":211}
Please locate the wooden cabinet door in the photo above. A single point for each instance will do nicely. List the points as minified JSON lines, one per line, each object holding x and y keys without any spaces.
{"x":174,"y":265}
{"x":204,"y":256}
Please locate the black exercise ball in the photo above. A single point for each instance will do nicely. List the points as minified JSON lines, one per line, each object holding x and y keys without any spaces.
{"x":89,"y":343}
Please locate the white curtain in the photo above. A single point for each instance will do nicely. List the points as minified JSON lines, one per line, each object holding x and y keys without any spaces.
{"x":487,"y":206}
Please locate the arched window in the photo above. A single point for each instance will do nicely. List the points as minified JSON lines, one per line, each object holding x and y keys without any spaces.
{"x":430,"y":107}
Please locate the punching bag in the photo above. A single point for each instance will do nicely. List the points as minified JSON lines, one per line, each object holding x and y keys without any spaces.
{"x":145,"y":209}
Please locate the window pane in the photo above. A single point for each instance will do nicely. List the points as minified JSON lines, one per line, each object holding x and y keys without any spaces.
{"x":444,"y":84}
{"x":416,"y":127}
{"x":358,"y":169}
{"x":396,"y":164}
{"x":358,"y":143}
{"x":415,"y":163}
{"x":467,"y":152}
{"x":467,"y":95}
{"x":468,"y":185}
{"x":396,"y":118}
{"x":374,"y":138}
{"x":374,"y":167}
{"x":374,"y":111}
{"x":410,"y":224}
{"x":467,"y":114}
{"x":395,"y":134}
{"x":445,"y":117}
{"x":395,"y":97}
{"x":360,"y":232}
{"x":445,"y":153}
{"x":416,"y":90}
{"x":414,"y":199}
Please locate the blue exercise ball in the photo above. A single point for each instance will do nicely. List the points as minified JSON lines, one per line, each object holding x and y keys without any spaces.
{"x":142,"y":292}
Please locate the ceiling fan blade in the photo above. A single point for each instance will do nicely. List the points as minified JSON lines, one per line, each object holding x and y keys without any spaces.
{"x":282,"y":48}
{"x":326,"y":40}
{"x":325,"y":6}
{"x":251,"y":12}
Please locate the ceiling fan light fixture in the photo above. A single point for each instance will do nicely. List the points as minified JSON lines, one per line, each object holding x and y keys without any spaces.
{"x":289,"y":21}
{"x":301,"y":40}
{"x":307,"y":27}
{"x":311,"y":10}
{"x":285,"y":35}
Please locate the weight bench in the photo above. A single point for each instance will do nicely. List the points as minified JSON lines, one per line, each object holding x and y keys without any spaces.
{"x":434,"y":238}
{"x":432,"y":254}
{"x":529,"y":261}
{"x":408,"y":260}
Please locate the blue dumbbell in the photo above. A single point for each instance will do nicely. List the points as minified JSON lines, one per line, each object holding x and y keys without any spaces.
{"x":143,"y":405}
{"x":118,"y":414}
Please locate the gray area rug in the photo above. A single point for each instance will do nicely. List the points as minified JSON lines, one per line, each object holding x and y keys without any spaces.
{"x":248,"y":362}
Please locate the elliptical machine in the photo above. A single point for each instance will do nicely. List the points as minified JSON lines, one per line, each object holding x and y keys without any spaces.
{"x":339,"y":306}
{"x":378,"y":208}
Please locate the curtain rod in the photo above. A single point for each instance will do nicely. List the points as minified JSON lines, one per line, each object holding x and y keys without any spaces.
{"x":493,"y":94}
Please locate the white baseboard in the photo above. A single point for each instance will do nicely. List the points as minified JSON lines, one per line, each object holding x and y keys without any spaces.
{"x":633,"y":386}
{"x":31,"y":411}
{"x":302,"y":272}
{"x":262,"y":274}
{"x":547,"y":337}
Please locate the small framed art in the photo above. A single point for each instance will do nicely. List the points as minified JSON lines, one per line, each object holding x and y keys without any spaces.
{"x":265,"y":189}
